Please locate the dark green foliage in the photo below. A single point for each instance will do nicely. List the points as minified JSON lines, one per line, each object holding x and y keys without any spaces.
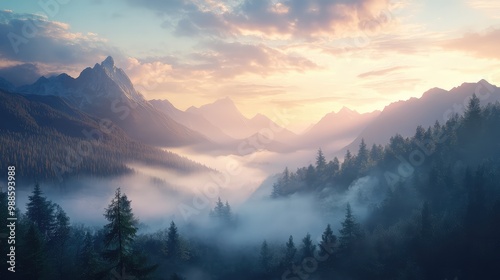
{"x":362,"y":157}
{"x":34,"y":263}
{"x":441,"y":221}
{"x":173,"y":245}
{"x":58,"y":242}
{"x":350,"y":233}
{"x":265,"y":257}
{"x":40,"y":212}
{"x":59,"y":141}
{"x":90,"y":263}
{"x":290,"y":252}
{"x":120,"y":232}
{"x":222,"y":212}
{"x":308,"y":248}
{"x":320,"y":161}
{"x":328,"y":241}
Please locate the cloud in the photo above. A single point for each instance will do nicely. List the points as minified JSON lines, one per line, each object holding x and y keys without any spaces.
{"x":480,"y":44}
{"x":227,"y":60}
{"x":288,"y":18}
{"x":386,"y":86}
{"x":489,"y":7}
{"x":381,"y":72}
{"x":214,"y":61}
{"x":252,"y":90}
{"x":33,"y":38}
{"x":21,"y":74}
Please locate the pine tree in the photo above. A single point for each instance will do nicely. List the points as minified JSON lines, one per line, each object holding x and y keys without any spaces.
{"x":227,"y":211}
{"x":33,"y":263}
{"x":310,"y":176}
{"x":265,"y":257}
{"x":320,"y":161}
{"x":471,"y":129}
{"x":219,"y":209}
{"x":285,"y":177}
{"x":376,"y":153}
{"x":173,"y":242}
{"x":328,"y":240}
{"x":333,"y":167}
{"x":277,"y":191}
{"x":40,"y":211}
{"x":290,"y":252}
{"x":59,"y":239}
{"x":222,"y":212}
{"x":308,"y":247}
{"x":472,"y":114}
{"x":88,"y":259}
{"x":363,"y":156}
{"x":120,"y":233}
{"x":350,"y":231}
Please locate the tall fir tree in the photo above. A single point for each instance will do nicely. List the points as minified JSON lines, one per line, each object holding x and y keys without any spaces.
{"x":350,"y":232}
{"x":59,"y":242}
{"x":265,"y":257}
{"x":33,"y":264}
{"x":320,"y":161}
{"x":308,"y":247}
{"x":40,"y":212}
{"x":328,"y":241}
{"x":290,"y":252}
{"x":88,"y":259}
{"x":363,"y":156}
{"x":120,"y":233}
{"x":173,"y":245}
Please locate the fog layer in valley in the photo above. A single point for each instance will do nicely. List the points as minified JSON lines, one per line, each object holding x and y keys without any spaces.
{"x":160,"y":196}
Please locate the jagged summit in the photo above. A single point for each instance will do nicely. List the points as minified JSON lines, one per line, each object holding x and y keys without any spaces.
{"x":105,"y":91}
{"x":108,"y":62}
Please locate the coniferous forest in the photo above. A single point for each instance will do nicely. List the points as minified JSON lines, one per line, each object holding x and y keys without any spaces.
{"x":439,"y":218}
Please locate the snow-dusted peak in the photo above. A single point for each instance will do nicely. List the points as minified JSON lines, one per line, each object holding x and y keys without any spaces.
{"x":119,"y":77}
{"x":108,"y":63}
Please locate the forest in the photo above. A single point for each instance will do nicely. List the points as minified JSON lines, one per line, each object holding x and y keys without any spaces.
{"x":49,"y":140}
{"x":439,"y":218}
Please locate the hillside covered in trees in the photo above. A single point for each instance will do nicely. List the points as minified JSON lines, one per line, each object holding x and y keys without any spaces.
{"x":49,"y":140}
{"x":439,"y":219}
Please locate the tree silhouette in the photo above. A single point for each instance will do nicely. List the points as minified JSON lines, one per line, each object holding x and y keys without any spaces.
{"x":350,"y":232}
{"x":120,"y":231}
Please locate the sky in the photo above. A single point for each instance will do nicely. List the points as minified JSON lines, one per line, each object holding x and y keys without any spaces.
{"x":306,"y":57}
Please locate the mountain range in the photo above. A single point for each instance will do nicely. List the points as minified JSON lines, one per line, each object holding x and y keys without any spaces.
{"x":104,"y":92}
{"x":47,"y":138}
{"x":436,"y":104}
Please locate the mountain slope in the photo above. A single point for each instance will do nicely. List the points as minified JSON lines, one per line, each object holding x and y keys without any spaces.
{"x":336,"y":129}
{"x":435,"y":105}
{"x":193,"y":121}
{"x":224,"y":114}
{"x":106,"y":92}
{"x":48,"y":139}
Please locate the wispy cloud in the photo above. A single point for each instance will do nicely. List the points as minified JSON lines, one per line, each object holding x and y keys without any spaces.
{"x":382,"y":72}
{"x":33,"y":38}
{"x":289,"y":18}
{"x":480,"y":44}
{"x":489,"y":7}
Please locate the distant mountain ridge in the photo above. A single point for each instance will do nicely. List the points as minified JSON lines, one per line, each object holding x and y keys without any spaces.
{"x":105,"y":91}
{"x":336,"y":129}
{"x":193,"y":121}
{"x":224,"y":114}
{"x":436,"y":104}
{"x":49,"y":139}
